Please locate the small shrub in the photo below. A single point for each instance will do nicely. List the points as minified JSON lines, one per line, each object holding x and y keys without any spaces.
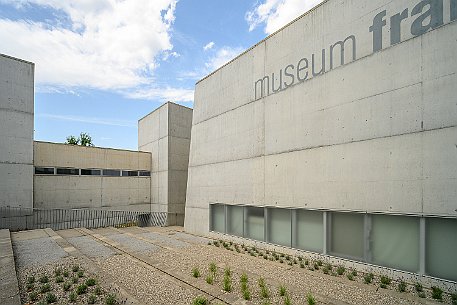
{"x":282,"y":290}
{"x":418,"y":287}
{"x":246,"y":294}
{"x":264,"y":293}
{"x":302,"y":265}
{"x":213,"y":268}
{"x":44,"y":279}
{"x":59,"y":279}
{"x":75,"y":279}
{"x":227,"y":283}
{"x":350,"y":276}
{"x":288,"y":257}
{"x":216,"y":243}
{"x":75,"y":268}
{"x":210,"y":279}
{"x":402,"y":286}
{"x":195,"y":272}
{"x":340,"y":270}
{"x":454,"y":298}
{"x":383,"y":286}
{"x":319,"y":263}
{"x":66,"y":286}
{"x":422,"y":295}
{"x":30,"y":287}
{"x":368,"y":278}
{"x":51,"y":298}
{"x":80,"y":273}
{"x":316,"y":266}
{"x":31,"y":280}
{"x":437,"y":293}
{"x":287,"y":300}
{"x":354,"y":272}
{"x":72,"y":297}
{"x":310,"y":299}
{"x":33,"y":296}
{"x":200,"y":301}
{"x":98,"y":290}
{"x":385,"y":280}
{"x":91,"y":282}
{"x":227,"y":271}
{"x":57,"y":271}
{"x":244,"y":278}
{"x":81,"y":289}
{"x":290,"y":263}
{"x":111,"y":299}
{"x":92,"y":299}
{"x":45,"y":288}
{"x":66,"y":273}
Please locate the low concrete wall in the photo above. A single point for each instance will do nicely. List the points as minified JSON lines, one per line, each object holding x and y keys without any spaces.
{"x":9,"y":289}
{"x":98,"y":192}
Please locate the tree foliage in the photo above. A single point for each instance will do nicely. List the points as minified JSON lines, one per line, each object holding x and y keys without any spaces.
{"x":84,"y":139}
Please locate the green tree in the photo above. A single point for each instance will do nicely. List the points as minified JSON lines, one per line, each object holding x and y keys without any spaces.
{"x":84,"y":139}
{"x":72,"y":140}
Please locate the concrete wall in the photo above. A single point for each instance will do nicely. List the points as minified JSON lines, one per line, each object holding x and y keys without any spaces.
{"x":113,"y":193}
{"x":166,"y":134}
{"x":377,"y":134}
{"x":16,"y":132}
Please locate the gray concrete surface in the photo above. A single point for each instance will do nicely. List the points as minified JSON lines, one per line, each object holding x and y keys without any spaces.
{"x":165,"y":133}
{"x":9,"y":289}
{"x":99,"y":192}
{"x":16,"y":132}
{"x":134,"y":245}
{"x":90,"y":247}
{"x":377,"y":134}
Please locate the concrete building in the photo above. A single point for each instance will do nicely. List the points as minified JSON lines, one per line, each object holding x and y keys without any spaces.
{"x":76,"y":177}
{"x":336,"y":135}
{"x":165,"y":133}
{"x":16,"y":132}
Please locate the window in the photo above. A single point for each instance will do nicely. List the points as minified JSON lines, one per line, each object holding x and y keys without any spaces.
{"x":217,"y":218}
{"x":347,"y":231}
{"x":309,"y":233}
{"x":90,"y":172}
{"x":129,"y":173}
{"x":111,"y":172}
{"x":254,"y":223}
{"x":279,"y":227}
{"x":395,"y":242}
{"x":235,"y":220}
{"x":441,"y":248}
{"x":67,"y":171}
{"x":44,"y":171}
{"x":145,"y":174}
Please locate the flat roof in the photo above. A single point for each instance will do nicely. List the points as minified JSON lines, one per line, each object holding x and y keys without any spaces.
{"x":17,"y":59}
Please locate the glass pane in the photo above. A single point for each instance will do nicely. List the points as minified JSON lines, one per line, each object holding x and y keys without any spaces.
{"x":129,"y":173}
{"x":395,"y":242}
{"x":254,"y":223}
{"x":44,"y":171}
{"x":347,"y":235}
{"x":235,"y":220}
{"x":67,"y":171}
{"x":218,"y":218}
{"x":90,"y":172}
{"x":111,"y":172}
{"x":145,"y":174}
{"x":279,"y":227}
{"x":441,"y":248}
{"x":310,"y":231}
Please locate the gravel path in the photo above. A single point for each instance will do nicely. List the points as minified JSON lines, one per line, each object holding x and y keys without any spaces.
{"x":134,"y":244}
{"x":90,"y":247}
{"x":148,"y":284}
{"x":35,"y":252}
{"x":191,"y":238}
{"x":167,"y":241}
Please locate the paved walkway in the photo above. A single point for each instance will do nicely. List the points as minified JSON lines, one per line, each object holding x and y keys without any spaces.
{"x":9,"y":291}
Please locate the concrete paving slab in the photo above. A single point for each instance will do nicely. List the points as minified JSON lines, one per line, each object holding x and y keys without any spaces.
{"x":69,"y":233}
{"x":38,"y":251}
{"x":105,"y":231}
{"x":89,"y":247}
{"x":9,"y":289}
{"x":27,"y":235}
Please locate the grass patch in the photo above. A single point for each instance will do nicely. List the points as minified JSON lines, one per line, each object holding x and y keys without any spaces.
{"x":287,"y":300}
{"x":111,"y":299}
{"x":81,"y":289}
{"x":210,"y":279}
{"x":91,"y":282}
{"x":59,"y":279}
{"x":418,"y":287}
{"x":310,"y":299}
{"x":340,"y":270}
{"x":196,"y":272}
{"x":200,"y":301}
{"x":66,"y":286}
{"x":385,"y":280}
{"x":72,"y":297}
{"x":51,"y":298}
{"x":92,"y":299}
{"x":264,"y":292}
{"x":282,"y":290}
{"x":75,"y":268}
{"x":402,"y":286}
{"x":44,"y":279}
{"x":437,"y":293}
{"x":45,"y":288}
{"x":368,"y":278}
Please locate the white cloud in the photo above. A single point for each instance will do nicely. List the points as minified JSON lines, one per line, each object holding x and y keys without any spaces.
{"x":163,"y":94}
{"x":108,"y":44}
{"x":223,"y":56}
{"x":209,"y":46}
{"x":89,"y":120}
{"x":277,"y":13}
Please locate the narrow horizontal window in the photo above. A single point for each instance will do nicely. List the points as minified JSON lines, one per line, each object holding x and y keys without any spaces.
{"x":44,"y":171}
{"x":130,"y":173}
{"x":145,"y":174}
{"x":111,"y":172}
{"x":68,"y":171}
{"x":91,"y":172}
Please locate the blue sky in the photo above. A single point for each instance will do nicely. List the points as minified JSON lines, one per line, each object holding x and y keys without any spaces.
{"x":103,"y":64}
